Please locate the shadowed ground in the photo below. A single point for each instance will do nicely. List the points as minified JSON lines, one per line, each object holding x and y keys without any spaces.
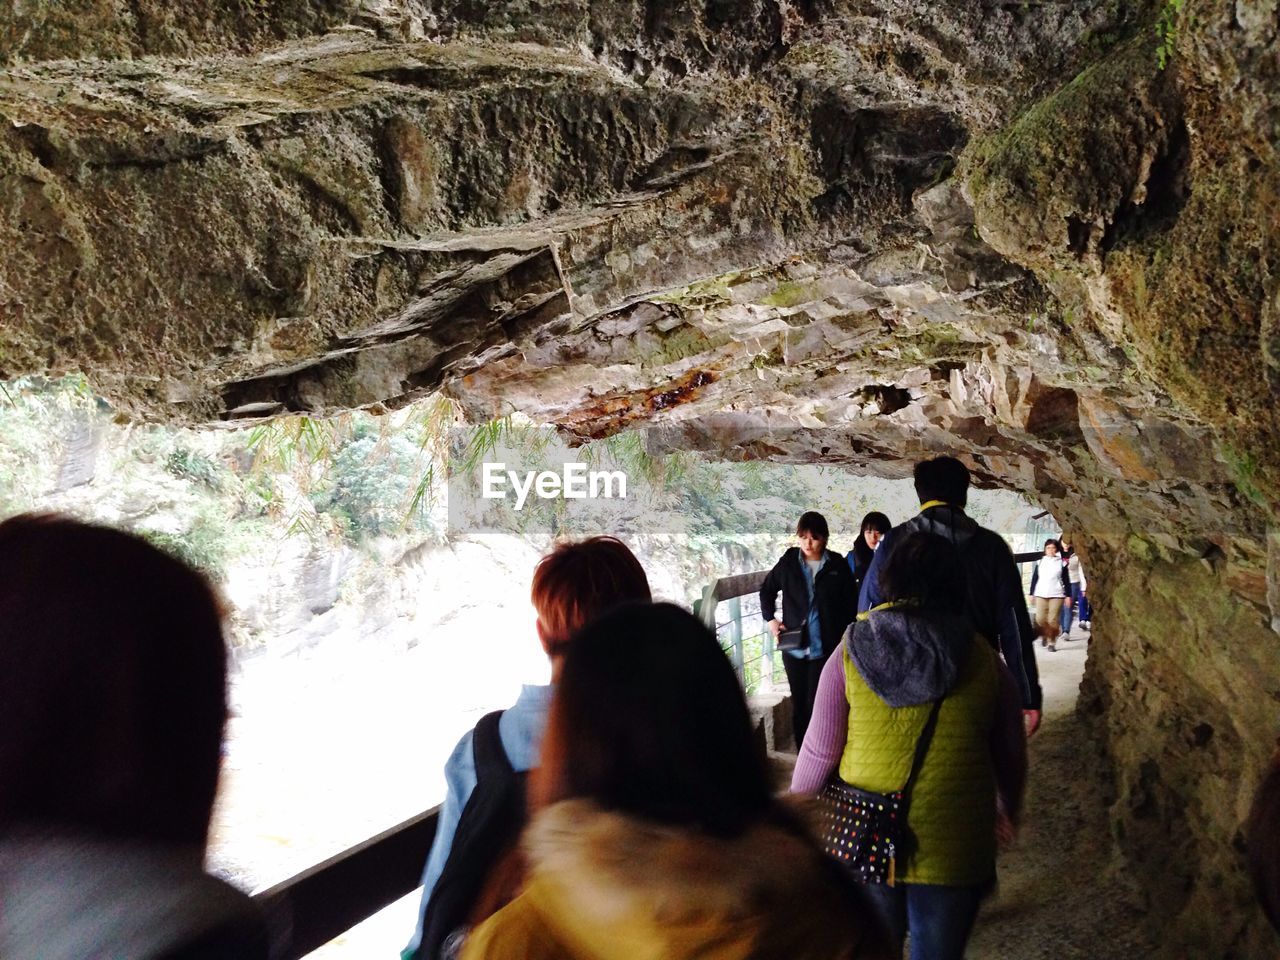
{"x":1061,"y":894}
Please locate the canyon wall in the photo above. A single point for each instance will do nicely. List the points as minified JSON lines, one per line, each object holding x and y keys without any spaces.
{"x":1041,"y":236}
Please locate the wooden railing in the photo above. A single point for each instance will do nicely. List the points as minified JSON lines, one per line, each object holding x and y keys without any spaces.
{"x":322,"y":902}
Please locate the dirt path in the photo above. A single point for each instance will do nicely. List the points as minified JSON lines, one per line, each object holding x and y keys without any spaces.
{"x":1061,"y":896}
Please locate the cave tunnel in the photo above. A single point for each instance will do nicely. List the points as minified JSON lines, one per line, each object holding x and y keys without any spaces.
{"x":1037,"y":237}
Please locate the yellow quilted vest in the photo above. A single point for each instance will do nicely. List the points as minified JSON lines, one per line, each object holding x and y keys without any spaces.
{"x":953,"y":804}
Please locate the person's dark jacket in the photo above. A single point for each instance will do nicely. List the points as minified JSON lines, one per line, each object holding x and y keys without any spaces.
{"x":995,"y":603}
{"x":833,"y":592}
{"x":859,"y":563}
{"x":68,"y":896}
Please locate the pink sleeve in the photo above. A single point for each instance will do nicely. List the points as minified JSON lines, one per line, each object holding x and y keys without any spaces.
{"x":828,"y":727}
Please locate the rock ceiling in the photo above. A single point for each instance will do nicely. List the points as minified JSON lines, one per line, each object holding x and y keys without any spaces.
{"x":859,"y":231}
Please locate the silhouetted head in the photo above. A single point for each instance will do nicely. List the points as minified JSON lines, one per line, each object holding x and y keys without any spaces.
{"x":1262,"y":842}
{"x":942,"y":478}
{"x":924,"y":569}
{"x":112,"y":684}
{"x":578,"y":581}
{"x":649,"y":720}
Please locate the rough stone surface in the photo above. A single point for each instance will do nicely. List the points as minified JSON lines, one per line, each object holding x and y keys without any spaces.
{"x":852,"y":231}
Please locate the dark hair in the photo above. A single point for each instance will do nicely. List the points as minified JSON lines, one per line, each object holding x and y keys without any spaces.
{"x":649,"y":719}
{"x":1055,"y":543}
{"x":1262,"y":842}
{"x":813,"y":523}
{"x":942,"y":478}
{"x":862,"y":552}
{"x":577,"y":582}
{"x":876,"y":521}
{"x":926,"y":569}
{"x":112,"y":684}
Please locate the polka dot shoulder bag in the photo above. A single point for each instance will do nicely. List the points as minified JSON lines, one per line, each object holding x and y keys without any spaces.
{"x":864,"y":831}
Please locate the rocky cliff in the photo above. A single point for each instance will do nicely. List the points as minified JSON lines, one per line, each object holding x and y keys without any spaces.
{"x":1040,"y":235}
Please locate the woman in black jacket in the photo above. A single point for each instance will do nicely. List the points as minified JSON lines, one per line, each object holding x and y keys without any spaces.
{"x":819,"y":600}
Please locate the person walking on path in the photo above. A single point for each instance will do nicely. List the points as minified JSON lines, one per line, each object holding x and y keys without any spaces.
{"x":818,"y":600}
{"x":1075,"y":610}
{"x":913,"y":660}
{"x":655,"y":832}
{"x":1050,"y":590}
{"x":1071,"y":603}
{"x":574,"y":584}
{"x":994,"y":601}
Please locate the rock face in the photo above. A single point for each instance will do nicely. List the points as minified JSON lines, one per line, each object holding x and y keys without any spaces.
{"x":1041,"y":236}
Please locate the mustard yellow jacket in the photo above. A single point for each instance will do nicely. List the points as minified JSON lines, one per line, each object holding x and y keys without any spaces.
{"x":604,"y":886}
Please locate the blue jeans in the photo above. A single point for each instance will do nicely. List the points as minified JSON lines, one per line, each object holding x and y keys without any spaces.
{"x":1064,"y":618}
{"x":938,"y":918}
{"x":1071,"y":612}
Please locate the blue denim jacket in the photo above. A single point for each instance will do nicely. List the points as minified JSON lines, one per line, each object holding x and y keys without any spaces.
{"x":521,"y":729}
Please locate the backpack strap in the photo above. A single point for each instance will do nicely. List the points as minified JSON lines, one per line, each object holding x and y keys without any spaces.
{"x":489,"y":825}
{"x":486,"y":745}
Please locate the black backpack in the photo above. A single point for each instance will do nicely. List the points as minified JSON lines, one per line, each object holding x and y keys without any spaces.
{"x":490,"y":825}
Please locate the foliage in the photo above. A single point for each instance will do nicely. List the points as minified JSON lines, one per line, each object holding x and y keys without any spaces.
{"x":215,"y":497}
{"x":1243,"y":465}
{"x":205,"y":544}
{"x":192,"y":465}
{"x":1167,"y":31}
{"x":370,"y":484}
{"x":36,"y":415}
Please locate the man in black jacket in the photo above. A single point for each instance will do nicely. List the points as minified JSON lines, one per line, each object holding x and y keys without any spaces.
{"x":819,"y":599}
{"x":995,"y":603}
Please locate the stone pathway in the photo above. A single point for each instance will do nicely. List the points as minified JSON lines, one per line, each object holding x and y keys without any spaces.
{"x":1062,"y":896}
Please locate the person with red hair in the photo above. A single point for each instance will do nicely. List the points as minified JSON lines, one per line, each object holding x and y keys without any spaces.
{"x":483,"y":809}
{"x":112,"y":705}
{"x":655,"y":830}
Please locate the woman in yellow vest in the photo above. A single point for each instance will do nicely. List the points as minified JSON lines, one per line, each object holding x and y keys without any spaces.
{"x":874,"y":698}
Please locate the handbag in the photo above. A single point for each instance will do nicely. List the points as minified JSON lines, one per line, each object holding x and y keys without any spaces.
{"x":797,"y":639}
{"x":865,"y":831}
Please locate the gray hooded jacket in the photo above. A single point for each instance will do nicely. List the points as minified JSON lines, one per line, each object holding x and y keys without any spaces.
{"x":909,"y":656}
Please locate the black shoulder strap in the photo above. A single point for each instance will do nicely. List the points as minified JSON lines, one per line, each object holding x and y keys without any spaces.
{"x":922,"y":747}
{"x":489,"y":825}
{"x":486,"y":744}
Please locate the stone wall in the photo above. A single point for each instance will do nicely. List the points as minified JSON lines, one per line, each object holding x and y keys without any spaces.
{"x":1040,"y":236}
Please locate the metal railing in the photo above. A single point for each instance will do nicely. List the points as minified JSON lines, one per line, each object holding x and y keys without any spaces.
{"x":730,"y":606}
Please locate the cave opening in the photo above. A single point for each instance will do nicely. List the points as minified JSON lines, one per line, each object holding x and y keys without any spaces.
{"x":334,"y":540}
